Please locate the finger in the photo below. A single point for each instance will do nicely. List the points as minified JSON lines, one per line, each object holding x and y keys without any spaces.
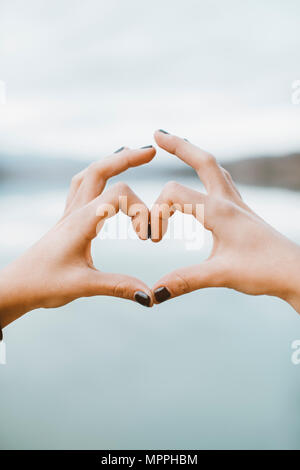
{"x":74,"y":186}
{"x":203,"y":162}
{"x":96,"y":175}
{"x":175,"y":197}
{"x":231,"y":183}
{"x":188,"y":279}
{"x":118,"y":197}
{"x":118,"y":285}
{"x":236,"y":195}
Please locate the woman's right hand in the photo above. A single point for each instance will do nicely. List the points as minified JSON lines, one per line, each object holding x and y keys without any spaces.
{"x":248,"y":255}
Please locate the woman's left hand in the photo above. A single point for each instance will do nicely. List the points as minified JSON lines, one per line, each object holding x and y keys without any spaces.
{"x":59,"y":268}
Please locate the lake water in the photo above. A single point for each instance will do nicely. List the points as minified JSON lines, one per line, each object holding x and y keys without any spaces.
{"x":208,"y":370}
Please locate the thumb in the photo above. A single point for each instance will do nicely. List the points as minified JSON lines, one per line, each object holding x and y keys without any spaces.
{"x":118,"y":285}
{"x":188,"y":279}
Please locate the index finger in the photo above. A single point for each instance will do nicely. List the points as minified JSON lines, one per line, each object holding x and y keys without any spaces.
{"x":94,"y":178}
{"x":203,"y":162}
{"x":123,"y":159}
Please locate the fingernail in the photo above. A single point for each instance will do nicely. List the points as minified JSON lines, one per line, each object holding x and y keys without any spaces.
{"x":164,"y":132}
{"x":147,"y":147}
{"x":119,"y":150}
{"x":142,"y":298}
{"x":161,"y":294}
{"x":149,"y":230}
{"x":186,"y":140}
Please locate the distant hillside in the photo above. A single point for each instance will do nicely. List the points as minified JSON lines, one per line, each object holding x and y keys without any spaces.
{"x":50,"y":170}
{"x":280,"y":172}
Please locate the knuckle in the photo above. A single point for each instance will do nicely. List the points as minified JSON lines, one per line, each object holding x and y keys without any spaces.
{"x":182,"y":285}
{"x":175,"y":144}
{"x":76,"y":179}
{"x":214,"y":204}
{"x":97,"y":169}
{"x":92,"y":168}
{"x":209,"y":159}
{"x":225,"y":208}
{"x":178,"y":145}
{"x":171,"y":187}
{"x":121,"y":187}
{"x":121,"y":290}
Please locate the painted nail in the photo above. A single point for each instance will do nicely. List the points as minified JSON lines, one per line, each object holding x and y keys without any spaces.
{"x":161,"y":294}
{"x":142,"y":298}
{"x":147,"y":147}
{"x":164,"y":132}
{"x":149,"y":230}
{"x":119,"y":150}
{"x":186,"y":140}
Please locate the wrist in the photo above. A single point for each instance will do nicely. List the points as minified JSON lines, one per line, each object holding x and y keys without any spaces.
{"x":17,"y":295}
{"x":294,"y":298}
{"x":290,"y":277}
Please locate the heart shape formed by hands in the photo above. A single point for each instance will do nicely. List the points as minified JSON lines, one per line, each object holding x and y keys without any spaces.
{"x":247,"y":255}
{"x":228,"y":218}
{"x":221,"y":194}
{"x":64,"y":268}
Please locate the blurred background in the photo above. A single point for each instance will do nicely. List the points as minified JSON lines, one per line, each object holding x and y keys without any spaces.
{"x":209,"y":370}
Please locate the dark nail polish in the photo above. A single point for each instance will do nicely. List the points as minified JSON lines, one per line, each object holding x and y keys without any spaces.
{"x":164,"y":132}
{"x":119,"y":150}
{"x":161,"y":294}
{"x":149,"y":230}
{"x":147,"y":147}
{"x":142,"y":298}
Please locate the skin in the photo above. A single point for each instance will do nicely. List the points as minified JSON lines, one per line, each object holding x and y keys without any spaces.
{"x":248,"y":255}
{"x":59,"y":268}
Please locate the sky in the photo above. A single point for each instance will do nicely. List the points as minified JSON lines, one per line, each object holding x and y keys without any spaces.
{"x":84,"y":78}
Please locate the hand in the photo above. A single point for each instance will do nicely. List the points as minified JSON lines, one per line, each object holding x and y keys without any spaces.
{"x":59,"y":268}
{"x":248,"y":255}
